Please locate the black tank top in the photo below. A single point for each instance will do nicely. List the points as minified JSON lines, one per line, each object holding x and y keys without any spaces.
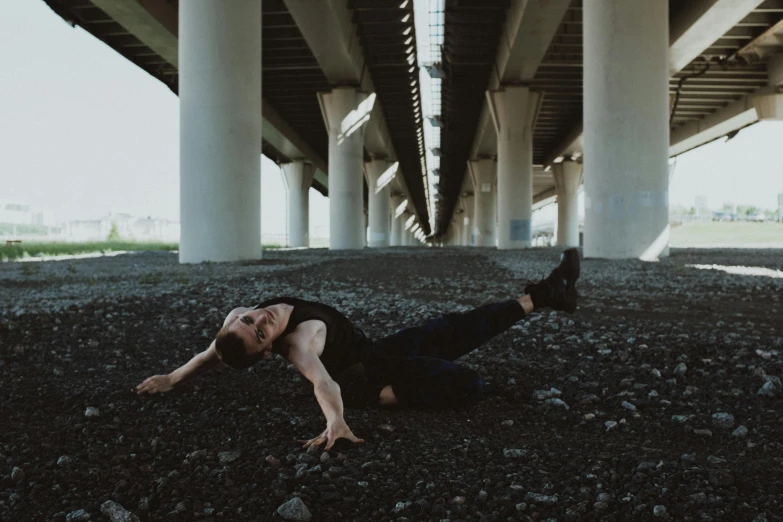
{"x":340,"y":350}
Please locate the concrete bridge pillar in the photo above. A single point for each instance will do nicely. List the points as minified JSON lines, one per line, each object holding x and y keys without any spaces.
{"x":568,"y":177}
{"x":220,"y":130}
{"x":456,"y":225}
{"x":467,"y":229}
{"x":298,"y":177}
{"x":406,"y":230}
{"x":343,"y":110}
{"x":397,"y":223}
{"x":513,"y":111}
{"x":379,"y":211}
{"x":484,"y":201}
{"x":626,"y":129}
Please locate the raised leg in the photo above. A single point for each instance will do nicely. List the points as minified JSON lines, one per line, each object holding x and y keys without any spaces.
{"x":453,"y":335}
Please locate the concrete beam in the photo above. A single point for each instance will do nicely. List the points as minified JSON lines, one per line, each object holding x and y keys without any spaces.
{"x":328,"y":29}
{"x":282,"y":137}
{"x":697,"y":27}
{"x":733,"y":117}
{"x":529,"y":30}
{"x":700,"y":24}
{"x":329,"y":32}
{"x":155,"y":24}
{"x":530,"y":27}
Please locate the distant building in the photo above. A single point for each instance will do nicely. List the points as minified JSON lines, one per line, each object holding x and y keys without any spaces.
{"x":128,"y":227}
{"x":16,"y":213}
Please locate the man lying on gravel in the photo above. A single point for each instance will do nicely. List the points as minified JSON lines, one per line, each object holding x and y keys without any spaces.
{"x":412,"y":368}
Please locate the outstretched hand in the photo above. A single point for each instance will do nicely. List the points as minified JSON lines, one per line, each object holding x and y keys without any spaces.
{"x":155,"y":384}
{"x":337,"y":430}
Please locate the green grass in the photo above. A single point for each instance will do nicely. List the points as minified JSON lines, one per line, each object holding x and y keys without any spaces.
{"x":708,"y":234}
{"x":32,"y":249}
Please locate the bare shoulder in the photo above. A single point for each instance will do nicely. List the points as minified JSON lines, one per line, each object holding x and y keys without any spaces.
{"x":308,"y":336}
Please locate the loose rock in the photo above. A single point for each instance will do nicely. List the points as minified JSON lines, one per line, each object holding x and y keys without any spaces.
{"x":741,"y":432}
{"x":723,"y":420}
{"x":295,"y":509}
{"x":117,"y":513}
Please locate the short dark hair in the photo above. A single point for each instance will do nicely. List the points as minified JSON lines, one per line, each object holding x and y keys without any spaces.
{"x":232,"y":351}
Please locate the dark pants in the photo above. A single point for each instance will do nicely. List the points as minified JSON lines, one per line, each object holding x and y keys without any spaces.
{"x":416,"y":362}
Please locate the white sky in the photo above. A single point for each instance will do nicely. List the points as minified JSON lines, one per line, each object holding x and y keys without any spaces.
{"x":85,"y":132}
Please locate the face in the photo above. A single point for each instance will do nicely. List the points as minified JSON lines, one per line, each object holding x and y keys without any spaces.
{"x":258,"y":328}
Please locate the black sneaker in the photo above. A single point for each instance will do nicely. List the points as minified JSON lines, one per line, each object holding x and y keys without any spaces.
{"x":558,"y":291}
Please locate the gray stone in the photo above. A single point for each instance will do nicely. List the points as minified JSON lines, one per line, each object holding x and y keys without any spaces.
{"x":538,"y":498}
{"x":768,"y":390}
{"x":610,"y":425}
{"x":659,"y":511}
{"x":295,"y":509}
{"x":603,"y":497}
{"x":17,"y":475}
{"x":507,"y":423}
{"x":117,"y":513}
{"x":702,"y":433}
{"x":655,"y":373}
{"x":513,"y":453}
{"x":92,"y":412}
{"x":540,"y":395}
{"x":79,"y":515}
{"x":741,"y":432}
{"x":65,"y":460}
{"x":680,"y":419}
{"x":557,"y":403}
{"x":680,"y":370}
{"x":715,"y":460}
{"x":228,"y":456}
{"x":628,"y":406}
{"x":646,"y":466}
{"x":774,"y":380}
{"x":723,"y":420}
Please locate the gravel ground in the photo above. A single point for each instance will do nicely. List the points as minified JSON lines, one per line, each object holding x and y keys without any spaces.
{"x":659,"y":399}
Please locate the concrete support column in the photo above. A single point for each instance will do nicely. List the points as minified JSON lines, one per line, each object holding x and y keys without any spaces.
{"x":397,"y":223}
{"x":406,"y":231}
{"x":467,"y":220}
{"x":298,"y":177}
{"x":379,"y":211}
{"x":513,"y":111}
{"x":346,"y":164}
{"x":484,"y":201}
{"x":626,"y":129}
{"x":780,"y":207}
{"x":568,"y":177}
{"x":458,"y":225}
{"x":220,"y":130}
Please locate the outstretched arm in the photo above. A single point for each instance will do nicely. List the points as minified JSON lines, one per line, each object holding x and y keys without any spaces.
{"x":327,"y":393}
{"x":162,"y":383}
{"x":204,"y":361}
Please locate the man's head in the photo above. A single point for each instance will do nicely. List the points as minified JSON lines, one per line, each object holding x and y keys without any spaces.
{"x":247,"y":338}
